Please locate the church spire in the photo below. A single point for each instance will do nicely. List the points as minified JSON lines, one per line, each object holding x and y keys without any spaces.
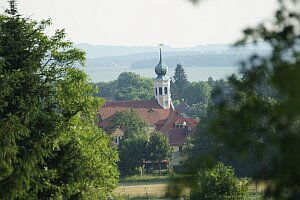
{"x":161,"y":69}
{"x":162,"y":84}
{"x":160,"y":57}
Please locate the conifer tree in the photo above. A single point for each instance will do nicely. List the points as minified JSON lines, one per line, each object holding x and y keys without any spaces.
{"x":47,"y":118}
{"x":179,"y":84}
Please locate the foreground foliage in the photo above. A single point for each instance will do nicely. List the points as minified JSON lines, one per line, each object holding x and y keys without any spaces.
{"x":262,"y":117}
{"x":49,"y":144}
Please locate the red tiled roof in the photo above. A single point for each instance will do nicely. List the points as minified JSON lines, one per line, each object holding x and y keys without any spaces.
{"x":193,"y":121}
{"x":163,"y":119}
{"x":149,"y":110}
{"x":177,"y":136}
{"x":172,"y":119}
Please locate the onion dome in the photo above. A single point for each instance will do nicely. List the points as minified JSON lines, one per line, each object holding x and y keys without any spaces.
{"x":161,"y":69}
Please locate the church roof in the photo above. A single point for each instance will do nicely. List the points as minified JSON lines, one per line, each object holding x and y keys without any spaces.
{"x":163,"y":120}
{"x":150,"y":110}
{"x":176,"y":117}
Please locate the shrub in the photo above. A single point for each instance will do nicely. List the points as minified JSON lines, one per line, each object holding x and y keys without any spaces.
{"x":219,"y":183}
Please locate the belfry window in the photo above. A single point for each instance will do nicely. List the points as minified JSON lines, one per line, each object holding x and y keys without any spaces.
{"x":160,"y":90}
{"x":166,"y":90}
{"x":156,"y":91}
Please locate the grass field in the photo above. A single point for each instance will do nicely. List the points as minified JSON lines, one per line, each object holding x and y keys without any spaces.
{"x":156,"y":190}
{"x":151,"y":187}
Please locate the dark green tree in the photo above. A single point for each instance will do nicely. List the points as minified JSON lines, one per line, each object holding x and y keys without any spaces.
{"x":133,"y":153}
{"x":132,"y":149}
{"x":179,"y":83}
{"x":83,"y":165}
{"x":106,"y":89}
{"x":159,"y":147}
{"x":39,"y":109}
{"x":198,"y":92}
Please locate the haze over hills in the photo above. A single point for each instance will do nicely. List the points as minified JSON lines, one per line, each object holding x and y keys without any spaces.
{"x":213,"y":55}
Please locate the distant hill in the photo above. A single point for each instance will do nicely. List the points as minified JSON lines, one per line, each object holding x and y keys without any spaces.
{"x":215,"y":55}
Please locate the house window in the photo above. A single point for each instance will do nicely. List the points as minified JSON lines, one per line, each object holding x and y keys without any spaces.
{"x":178,"y":125}
{"x":166,"y":90}
{"x":118,"y":140}
{"x":156,"y":91}
{"x":160,"y":90}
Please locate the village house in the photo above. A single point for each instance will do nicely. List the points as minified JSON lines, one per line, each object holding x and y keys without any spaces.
{"x":159,"y":113}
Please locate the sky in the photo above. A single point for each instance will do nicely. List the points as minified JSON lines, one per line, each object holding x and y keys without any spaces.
{"x":176,"y":23}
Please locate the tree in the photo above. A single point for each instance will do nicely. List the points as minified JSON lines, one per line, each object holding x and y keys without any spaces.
{"x":198,"y":92}
{"x":131,"y":122}
{"x":106,"y":89}
{"x":133,"y":153}
{"x":179,"y":84}
{"x":82,"y":158}
{"x":219,"y":183}
{"x":132,"y":148}
{"x":132,"y":86}
{"x":128,"y":86}
{"x":40,"y":110}
{"x":263,"y":117}
{"x":159,"y":148}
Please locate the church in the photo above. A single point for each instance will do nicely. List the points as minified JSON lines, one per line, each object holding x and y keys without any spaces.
{"x":159,"y":113}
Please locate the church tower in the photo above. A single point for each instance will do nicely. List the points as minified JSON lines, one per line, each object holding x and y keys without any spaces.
{"x":162,"y":84}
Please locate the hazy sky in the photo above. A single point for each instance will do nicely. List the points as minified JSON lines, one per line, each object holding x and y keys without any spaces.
{"x":149,"y":22}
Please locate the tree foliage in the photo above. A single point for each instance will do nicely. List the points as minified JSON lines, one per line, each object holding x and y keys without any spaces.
{"x":131,"y":122}
{"x":83,"y":165}
{"x":219,"y":183}
{"x":132,"y":149}
{"x":159,"y":147}
{"x":133,"y":153}
{"x":138,"y":144}
{"x":198,"y":92}
{"x":128,"y":86}
{"x":263,"y":116}
{"x":46,"y":117}
{"x":179,"y":83}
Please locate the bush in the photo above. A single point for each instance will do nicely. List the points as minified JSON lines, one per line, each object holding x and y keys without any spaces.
{"x":219,"y":183}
